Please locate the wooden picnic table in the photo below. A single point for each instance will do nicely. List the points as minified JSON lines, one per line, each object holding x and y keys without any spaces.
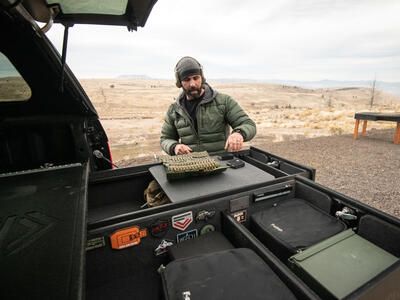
{"x":375,"y":116}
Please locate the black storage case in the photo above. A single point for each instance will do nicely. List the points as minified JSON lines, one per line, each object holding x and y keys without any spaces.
{"x":229,"y":274}
{"x":293,"y":225}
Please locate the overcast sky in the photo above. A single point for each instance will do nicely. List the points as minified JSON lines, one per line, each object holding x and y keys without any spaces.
{"x":255,"y":39}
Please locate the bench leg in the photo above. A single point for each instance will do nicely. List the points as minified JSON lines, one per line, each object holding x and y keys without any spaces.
{"x":364,"y":129}
{"x":396,"y":139}
{"x":355,"y":134}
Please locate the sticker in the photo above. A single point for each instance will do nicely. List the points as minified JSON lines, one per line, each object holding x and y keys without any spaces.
{"x":276,"y":227}
{"x":182,"y":221}
{"x":95,"y":243}
{"x":186,"y":295}
{"x":204,"y":215}
{"x":159,"y":228}
{"x":163,"y":247}
{"x":240,"y":216}
{"x":207,"y":228}
{"x":185,"y":236}
{"x":127,"y":237}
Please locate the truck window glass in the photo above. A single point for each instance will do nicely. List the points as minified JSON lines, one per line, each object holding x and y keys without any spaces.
{"x":12,"y":86}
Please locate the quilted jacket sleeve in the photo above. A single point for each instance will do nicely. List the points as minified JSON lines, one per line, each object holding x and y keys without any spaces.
{"x":239,"y":120}
{"x":169,"y":136}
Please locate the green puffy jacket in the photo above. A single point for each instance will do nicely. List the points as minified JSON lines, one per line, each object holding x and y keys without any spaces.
{"x":215,"y":113}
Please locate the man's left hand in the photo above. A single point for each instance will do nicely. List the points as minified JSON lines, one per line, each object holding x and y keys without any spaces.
{"x":234,"y":142}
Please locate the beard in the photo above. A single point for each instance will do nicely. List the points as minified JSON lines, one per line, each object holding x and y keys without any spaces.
{"x":193,"y":92}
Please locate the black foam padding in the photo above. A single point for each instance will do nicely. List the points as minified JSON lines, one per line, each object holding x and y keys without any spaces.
{"x":293,"y":224}
{"x":230,"y":274}
{"x":381,"y":233}
{"x":315,"y":197}
{"x":207,"y":243}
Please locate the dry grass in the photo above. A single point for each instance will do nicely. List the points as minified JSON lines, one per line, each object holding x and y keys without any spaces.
{"x":132,"y":111}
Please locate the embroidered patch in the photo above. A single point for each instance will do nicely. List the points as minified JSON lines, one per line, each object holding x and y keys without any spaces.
{"x":188,"y":235}
{"x":240,"y":216}
{"x":95,"y":243}
{"x":182,"y":221}
{"x":159,"y":228}
{"x":162,"y":247}
{"x":186,"y":295}
{"x":207,"y":228}
{"x":127,"y":237}
{"x":204,"y":215}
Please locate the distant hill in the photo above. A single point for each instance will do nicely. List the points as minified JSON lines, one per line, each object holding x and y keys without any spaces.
{"x":389,"y":87}
{"x":134,"y":76}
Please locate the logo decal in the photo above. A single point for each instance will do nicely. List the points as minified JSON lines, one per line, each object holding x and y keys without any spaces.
{"x":276,"y":227}
{"x":163,"y":247}
{"x":207,"y":228}
{"x":188,"y":235}
{"x":159,"y":228}
{"x":95,"y":243}
{"x":127,"y":237}
{"x":18,"y":232}
{"x":182,"y":221}
{"x":204,"y":215}
{"x":186,"y":295}
{"x":240,"y":216}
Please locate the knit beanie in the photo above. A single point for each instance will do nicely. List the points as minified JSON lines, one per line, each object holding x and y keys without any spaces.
{"x":187,"y":66}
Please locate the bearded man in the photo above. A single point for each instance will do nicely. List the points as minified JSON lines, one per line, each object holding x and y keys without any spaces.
{"x":203,"y":119}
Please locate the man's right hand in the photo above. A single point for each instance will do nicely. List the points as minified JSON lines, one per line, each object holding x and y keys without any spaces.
{"x":182,"y":149}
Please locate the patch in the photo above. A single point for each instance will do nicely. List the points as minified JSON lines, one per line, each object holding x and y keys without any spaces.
{"x":240,"y":216}
{"x":127,"y":237}
{"x":95,"y":243}
{"x":204,"y":215}
{"x":159,"y":228}
{"x":186,"y":295}
{"x":182,"y":221}
{"x":185,"y":236}
{"x":162,"y":247}
{"x":207,"y":228}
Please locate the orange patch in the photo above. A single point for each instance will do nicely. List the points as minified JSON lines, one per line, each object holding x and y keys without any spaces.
{"x":127,"y":237}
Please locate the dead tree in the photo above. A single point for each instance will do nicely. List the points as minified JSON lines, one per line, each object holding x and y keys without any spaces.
{"x":371,"y":102}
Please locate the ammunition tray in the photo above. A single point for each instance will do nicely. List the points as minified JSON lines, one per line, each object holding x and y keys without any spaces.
{"x":192,"y":164}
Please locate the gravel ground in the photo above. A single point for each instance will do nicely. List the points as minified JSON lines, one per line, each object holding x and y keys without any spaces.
{"x":367,"y":169}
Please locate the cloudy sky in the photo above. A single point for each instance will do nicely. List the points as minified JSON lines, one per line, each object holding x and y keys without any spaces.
{"x":256,"y":39}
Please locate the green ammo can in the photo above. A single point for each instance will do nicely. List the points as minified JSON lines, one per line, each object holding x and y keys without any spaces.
{"x":341,"y":264}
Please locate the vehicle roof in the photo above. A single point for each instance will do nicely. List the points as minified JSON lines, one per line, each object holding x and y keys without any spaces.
{"x":130,"y":13}
{"x":42,"y":67}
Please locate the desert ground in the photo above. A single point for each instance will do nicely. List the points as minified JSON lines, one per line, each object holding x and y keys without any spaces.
{"x":132,"y":111}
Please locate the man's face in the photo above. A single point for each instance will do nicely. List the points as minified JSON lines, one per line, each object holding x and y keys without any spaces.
{"x":192,"y":85}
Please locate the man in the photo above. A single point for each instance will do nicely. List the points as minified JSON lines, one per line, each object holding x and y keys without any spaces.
{"x":201,"y":118}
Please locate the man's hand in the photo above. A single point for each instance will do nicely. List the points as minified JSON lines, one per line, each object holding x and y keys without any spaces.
{"x":234,"y":142}
{"x":182,"y":149}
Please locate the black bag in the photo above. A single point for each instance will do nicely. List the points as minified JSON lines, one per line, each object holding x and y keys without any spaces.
{"x":292,"y":225}
{"x":229,"y":274}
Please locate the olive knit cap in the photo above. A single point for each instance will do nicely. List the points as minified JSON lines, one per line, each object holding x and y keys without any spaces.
{"x":185,"y":67}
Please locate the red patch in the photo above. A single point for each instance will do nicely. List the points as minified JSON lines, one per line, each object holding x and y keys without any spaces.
{"x":182,"y":221}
